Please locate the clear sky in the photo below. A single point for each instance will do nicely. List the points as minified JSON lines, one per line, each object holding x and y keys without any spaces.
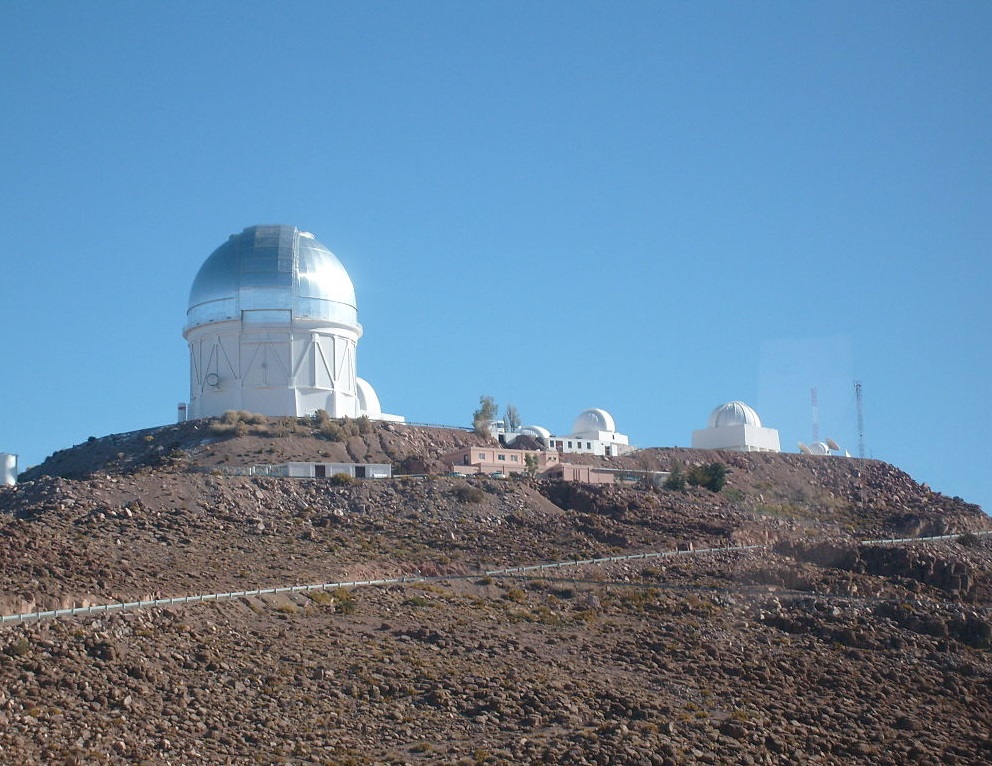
{"x":650,"y":207}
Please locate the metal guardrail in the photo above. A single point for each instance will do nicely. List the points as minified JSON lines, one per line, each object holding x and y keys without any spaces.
{"x":613,"y":559}
{"x":434,"y":425}
{"x":899,"y":540}
{"x":123,"y":606}
{"x":227,"y":596}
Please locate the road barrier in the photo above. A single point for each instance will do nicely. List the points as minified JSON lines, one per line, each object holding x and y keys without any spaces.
{"x":125,"y":606}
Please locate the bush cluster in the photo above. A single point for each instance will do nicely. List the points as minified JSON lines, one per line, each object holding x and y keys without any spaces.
{"x":342,"y":480}
{"x":342,"y":428}
{"x":467,"y":494}
{"x":241,"y":423}
{"x":712,"y":476}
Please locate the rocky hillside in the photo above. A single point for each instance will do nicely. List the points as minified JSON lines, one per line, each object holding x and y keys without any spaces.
{"x":808,"y":648}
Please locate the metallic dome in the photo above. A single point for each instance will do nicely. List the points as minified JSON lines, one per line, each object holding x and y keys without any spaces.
{"x":734,"y":414}
{"x":272,"y":273}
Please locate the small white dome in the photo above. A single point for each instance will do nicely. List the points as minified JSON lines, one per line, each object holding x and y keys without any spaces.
{"x":368,"y":401}
{"x":593,"y":420}
{"x":539,"y":432}
{"x":734,"y":414}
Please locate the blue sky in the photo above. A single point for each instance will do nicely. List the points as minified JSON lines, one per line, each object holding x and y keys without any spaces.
{"x":649,"y":207}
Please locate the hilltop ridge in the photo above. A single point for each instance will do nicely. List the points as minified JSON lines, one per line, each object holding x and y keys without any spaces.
{"x":793,"y":641}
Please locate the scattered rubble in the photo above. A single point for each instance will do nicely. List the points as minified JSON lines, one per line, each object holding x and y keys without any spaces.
{"x":812,"y":648}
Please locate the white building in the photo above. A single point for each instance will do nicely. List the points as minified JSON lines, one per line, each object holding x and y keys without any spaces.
{"x":273,"y":328}
{"x":594,"y":432}
{"x":8,"y":468}
{"x":735,"y":426}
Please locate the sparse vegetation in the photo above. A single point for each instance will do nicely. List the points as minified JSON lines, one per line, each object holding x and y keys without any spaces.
{"x":676,"y":478}
{"x":342,"y":429}
{"x":969,"y":540}
{"x":344,"y":601}
{"x":511,"y":418}
{"x":482,"y":418}
{"x":321,"y":597}
{"x":531,"y":464}
{"x":468,"y":494}
{"x":19,"y":647}
{"x":492,"y":666}
{"x":712,"y":476}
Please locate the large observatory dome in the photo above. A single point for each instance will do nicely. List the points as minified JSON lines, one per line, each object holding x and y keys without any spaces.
{"x":734,"y":414}
{"x":593,"y":419}
{"x":264,"y":273}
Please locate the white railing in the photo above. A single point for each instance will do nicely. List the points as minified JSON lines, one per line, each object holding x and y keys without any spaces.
{"x":124,"y":606}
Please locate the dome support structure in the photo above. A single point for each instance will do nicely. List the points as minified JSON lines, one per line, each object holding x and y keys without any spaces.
{"x":273,"y":328}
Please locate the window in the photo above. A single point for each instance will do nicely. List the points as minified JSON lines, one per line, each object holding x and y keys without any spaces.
{"x":514,"y":459}
{"x":588,"y":445}
{"x":482,"y":456}
{"x":501,"y":457}
{"x":570,"y":445}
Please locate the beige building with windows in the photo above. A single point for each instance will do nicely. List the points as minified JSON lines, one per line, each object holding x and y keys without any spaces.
{"x":503,"y":462}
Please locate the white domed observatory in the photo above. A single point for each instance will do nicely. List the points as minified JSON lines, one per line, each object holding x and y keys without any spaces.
{"x":273,"y":328}
{"x":736,"y":426}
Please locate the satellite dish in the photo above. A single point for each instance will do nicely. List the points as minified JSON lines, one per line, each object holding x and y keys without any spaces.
{"x":833,"y":445}
{"x":804,"y":449}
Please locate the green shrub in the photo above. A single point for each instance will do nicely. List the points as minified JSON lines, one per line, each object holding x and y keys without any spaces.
{"x":676,"y":478}
{"x":516,"y":595}
{"x":321,"y":597}
{"x":467,"y":494}
{"x":344,"y":601}
{"x":712,"y":476}
{"x":969,"y":540}
{"x":19,"y":648}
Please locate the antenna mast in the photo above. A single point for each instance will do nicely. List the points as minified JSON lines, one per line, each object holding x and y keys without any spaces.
{"x":861,"y":419}
{"x":815,"y":406}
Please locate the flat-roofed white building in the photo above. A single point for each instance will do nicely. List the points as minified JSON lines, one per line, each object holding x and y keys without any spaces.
{"x":594,"y":432}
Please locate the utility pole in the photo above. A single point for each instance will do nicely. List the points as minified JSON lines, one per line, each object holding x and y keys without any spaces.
{"x":815,"y":407}
{"x":861,"y":419}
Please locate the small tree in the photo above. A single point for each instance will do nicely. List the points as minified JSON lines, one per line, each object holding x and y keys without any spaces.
{"x":483,"y":417}
{"x":511,"y":418}
{"x":712,"y":476}
{"x":530,"y":464}
{"x":676,"y":478}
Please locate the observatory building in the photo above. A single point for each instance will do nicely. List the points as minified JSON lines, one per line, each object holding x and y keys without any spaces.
{"x":8,"y":468}
{"x":594,"y":432}
{"x":735,"y":426}
{"x":273,"y":328}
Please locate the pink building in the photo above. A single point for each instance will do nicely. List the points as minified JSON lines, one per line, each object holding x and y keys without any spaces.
{"x":507,"y":462}
{"x":490,"y":460}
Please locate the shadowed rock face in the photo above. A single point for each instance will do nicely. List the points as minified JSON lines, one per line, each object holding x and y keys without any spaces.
{"x":812,"y":647}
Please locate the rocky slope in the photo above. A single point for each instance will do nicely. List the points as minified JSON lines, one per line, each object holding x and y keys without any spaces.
{"x":808,"y":649}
